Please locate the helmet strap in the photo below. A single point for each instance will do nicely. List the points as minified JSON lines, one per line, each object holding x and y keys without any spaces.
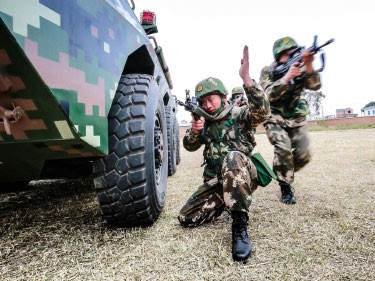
{"x":217,"y":111}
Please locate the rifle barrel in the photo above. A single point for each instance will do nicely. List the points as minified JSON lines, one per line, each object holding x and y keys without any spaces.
{"x":327,"y":43}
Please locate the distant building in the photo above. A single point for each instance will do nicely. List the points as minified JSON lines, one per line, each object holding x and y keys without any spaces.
{"x":345,"y":113}
{"x":185,"y":123}
{"x":368,"y":111}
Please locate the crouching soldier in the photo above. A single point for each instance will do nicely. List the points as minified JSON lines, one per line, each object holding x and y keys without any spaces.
{"x":230,"y":176}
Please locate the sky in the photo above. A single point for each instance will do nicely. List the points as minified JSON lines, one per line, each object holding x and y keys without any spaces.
{"x":203,"y":38}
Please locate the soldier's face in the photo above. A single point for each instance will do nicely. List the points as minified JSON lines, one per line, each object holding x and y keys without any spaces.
{"x":211,"y":103}
{"x":284,"y":56}
{"x":239,"y":102}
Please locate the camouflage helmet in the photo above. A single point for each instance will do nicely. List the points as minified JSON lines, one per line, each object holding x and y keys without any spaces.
{"x":237,"y":90}
{"x":283,"y":44}
{"x":210,"y":86}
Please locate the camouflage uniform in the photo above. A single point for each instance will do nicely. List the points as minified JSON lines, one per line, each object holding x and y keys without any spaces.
{"x":229,"y":175}
{"x":286,"y":128}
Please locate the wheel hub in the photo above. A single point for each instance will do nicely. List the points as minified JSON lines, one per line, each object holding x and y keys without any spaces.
{"x":158,"y":147}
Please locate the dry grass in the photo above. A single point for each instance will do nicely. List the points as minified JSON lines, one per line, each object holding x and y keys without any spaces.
{"x":342,"y":127}
{"x":54,"y":230}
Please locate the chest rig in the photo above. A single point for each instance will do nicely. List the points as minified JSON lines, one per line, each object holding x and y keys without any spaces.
{"x":225,"y":135}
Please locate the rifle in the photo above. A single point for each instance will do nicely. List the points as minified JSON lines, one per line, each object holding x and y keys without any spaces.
{"x":282,"y":69}
{"x":191,"y":105}
{"x":237,"y":99}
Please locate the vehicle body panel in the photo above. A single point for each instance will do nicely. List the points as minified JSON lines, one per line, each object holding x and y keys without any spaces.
{"x":64,"y":60}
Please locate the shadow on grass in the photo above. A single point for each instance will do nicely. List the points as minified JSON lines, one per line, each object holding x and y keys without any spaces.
{"x":46,"y":202}
{"x":57,"y":204}
{"x":38,"y":193}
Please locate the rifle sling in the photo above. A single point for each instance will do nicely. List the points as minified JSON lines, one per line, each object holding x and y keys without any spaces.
{"x":208,"y":117}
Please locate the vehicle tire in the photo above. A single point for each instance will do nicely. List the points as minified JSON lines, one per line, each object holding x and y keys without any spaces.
{"x":171,"y":135}
{"x":177,"y":135}
{"x":131,"y":181}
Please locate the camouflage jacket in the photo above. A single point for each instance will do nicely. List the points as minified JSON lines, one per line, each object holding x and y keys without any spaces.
{"x":285,"y":99}
{"x":233,"y":132}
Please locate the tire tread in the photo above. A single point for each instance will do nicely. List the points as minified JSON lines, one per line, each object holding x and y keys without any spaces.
{"x":121,"y":184}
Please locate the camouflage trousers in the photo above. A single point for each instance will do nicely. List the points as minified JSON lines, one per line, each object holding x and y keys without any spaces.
{"x":230,"y":190}
{"x":291,"y":149}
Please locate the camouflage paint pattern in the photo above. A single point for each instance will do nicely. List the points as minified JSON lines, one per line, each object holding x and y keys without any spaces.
{"x":232,"y":193}
{"x":286,"y":128}
{"x":230,"y":176}
{"x":63,"y":60}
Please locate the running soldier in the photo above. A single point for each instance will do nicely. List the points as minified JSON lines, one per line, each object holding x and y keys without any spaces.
{"x":286,"y":128}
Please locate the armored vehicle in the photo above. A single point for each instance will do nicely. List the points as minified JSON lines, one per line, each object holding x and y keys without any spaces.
{"x":84,"y":91}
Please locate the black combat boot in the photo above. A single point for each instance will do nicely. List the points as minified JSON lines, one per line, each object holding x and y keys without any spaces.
{"x":287,"y":196}
{"x":241,"y":247}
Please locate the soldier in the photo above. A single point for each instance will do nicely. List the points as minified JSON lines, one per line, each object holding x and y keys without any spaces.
{"x":238,"y":96}
{"x":229,"y":175}
{"x":286,"y":128}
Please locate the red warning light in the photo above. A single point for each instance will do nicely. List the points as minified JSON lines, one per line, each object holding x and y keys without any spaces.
{"x":148,"y":17}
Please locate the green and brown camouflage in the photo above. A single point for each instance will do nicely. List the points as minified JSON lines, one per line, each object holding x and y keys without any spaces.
{"x":231,"y":191}
{"x":230,"y":176}
{"x":291,"y":148}
{"x":282,"y":45}
{"x":61,"y":63}
{"x":286,"y":128}
{"x":235,"y":132}
{"x":210,"y":86}
{"x":238,"y":96}
{"x":285,"y":98}
{"x":238,"y":90}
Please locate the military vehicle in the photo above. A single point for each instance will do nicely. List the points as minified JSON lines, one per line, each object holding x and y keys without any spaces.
{"x":85,"y":90}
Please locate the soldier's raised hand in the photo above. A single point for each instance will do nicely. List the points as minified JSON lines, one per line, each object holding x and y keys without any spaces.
{"x":244,"y":69}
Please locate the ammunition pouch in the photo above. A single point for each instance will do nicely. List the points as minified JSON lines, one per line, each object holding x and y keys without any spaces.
{"x":264,"y":172}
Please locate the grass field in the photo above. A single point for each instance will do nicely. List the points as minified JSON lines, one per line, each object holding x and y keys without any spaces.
{"x":341,"y":127}
{"x":54,"y":230}
{"x":261,"y":130}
